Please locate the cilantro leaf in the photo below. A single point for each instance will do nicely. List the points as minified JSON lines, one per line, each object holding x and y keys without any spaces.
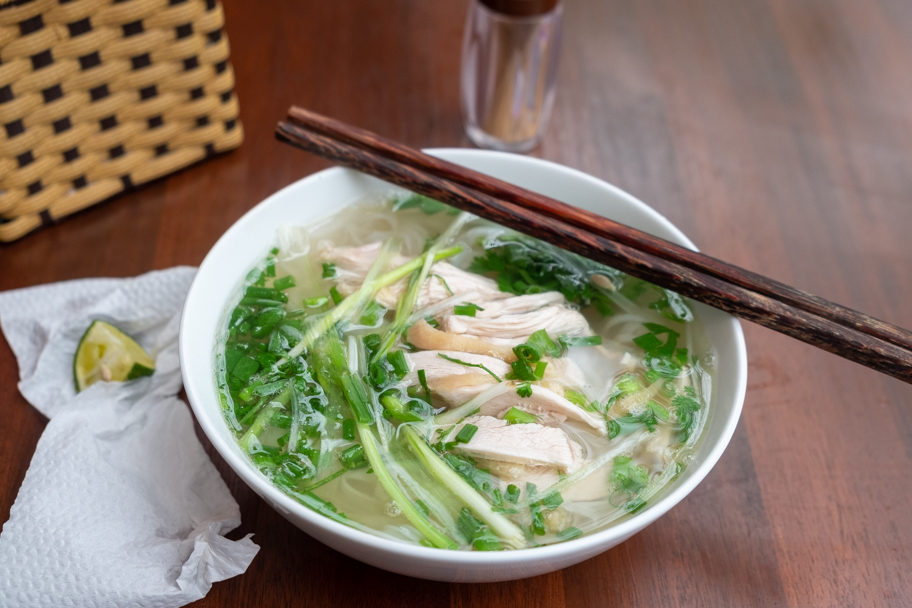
{"x":627,"y":476}
{"x":524,"y":390}
{"x":685,"y":407}
{"x":525,"y":265}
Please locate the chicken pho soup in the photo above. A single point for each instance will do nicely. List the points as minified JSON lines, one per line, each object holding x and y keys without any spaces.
{"x":426,"y":376}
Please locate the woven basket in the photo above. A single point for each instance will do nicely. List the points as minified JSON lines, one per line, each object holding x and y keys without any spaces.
{"x":99,"y":96}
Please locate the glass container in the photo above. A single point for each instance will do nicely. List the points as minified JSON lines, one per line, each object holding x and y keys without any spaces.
{"x":509,"y":66}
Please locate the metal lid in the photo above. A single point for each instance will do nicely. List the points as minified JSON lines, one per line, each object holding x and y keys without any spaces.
{"x":520,"y":8}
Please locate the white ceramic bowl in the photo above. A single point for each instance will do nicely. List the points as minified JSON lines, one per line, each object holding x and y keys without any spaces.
{"x":248,"y":241}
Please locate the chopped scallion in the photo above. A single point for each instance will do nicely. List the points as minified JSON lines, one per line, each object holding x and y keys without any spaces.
{"x":397,"y":359}
{"x":336,"y":296}
{"x":315,"y":302}
{"x":569,"y":533}
{"x":512,"y":494}
{"x":466,"y":433}
{"x":517,"y":416}
{"x":422,"y":379}
{"x":357,"y":397}
{"x":466,"y":310}
{"x":286,"y":282}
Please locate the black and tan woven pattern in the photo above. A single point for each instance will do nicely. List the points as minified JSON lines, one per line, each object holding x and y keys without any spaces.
{"x":98,"y":96}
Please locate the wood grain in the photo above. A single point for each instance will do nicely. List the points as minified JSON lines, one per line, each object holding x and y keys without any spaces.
{"x":776,"y":133}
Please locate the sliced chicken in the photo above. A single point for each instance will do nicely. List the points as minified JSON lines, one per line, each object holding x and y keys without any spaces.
{"x":528,"y":444}
{"x":554,"y":319}
{"x":520,"y":304}
{"x":422,"y":335}
{"x":435,"y":366}
{"x":353,"y":264}
{"x":460,"y":388}
{"x":542,"y":402}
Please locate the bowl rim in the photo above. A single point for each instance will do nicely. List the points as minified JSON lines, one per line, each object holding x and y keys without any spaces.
{"x":587,"y":544}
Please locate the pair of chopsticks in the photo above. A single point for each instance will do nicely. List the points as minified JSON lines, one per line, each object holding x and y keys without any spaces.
{"x":831,"y":327}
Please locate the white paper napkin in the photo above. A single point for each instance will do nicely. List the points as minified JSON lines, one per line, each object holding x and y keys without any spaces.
{"x":120,"y":506}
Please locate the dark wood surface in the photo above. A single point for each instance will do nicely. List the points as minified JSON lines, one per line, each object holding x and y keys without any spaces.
{"x":776,"y":133}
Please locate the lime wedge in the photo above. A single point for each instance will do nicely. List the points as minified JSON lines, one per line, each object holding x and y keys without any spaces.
{"x":106,"y":353}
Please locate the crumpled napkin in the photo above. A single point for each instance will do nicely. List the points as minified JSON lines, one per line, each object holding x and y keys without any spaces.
{"x":120,"y":506}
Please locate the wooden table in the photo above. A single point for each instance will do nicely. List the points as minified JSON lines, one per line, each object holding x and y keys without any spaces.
{"x":776,"y":133}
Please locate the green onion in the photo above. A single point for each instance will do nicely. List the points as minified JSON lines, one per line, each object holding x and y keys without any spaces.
{"x":367,"y":291}
{"x":476,"y":533}
{"x":284,"y":283}
{"x":408,"y":300}
{"x":478,"y":365}
{"x":422,"y":506}
{"x":517,"y":416}
{"x":553,"y":500}
{"x":326,"y":480}
{"x":373,"y":313}
{"x":259,"y":424}
{"x":543,"y":342}
{"x":466,"y":310}
{"x":500,"y":525}
{"x":634,"y":505}
{"x":399,"y":362}
{"x":535,"y":508}
{"x":466,"y":433}
{"x":329,"y":270}
{"x":422,"y":379}
{"x":336,"y":296}
{"x":265,"y":293}
{"x":399,"y":410}
{"x":353,"y":457}
{"x":356,"y":395}
{"x":247,"y":301}
{"x":576,"y":398}
{"x":321,"y":506}
{"x":569,"y":533}
{"x":512,"y":494}
{"x":415,"y":517}
{"x":569,"y":342}
{"x":315,"y":302}
{"x":528,"y":353}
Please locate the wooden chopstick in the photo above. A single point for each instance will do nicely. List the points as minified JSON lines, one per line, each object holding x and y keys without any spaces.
{"x":824,"y":333}
{"x":601,"y":226}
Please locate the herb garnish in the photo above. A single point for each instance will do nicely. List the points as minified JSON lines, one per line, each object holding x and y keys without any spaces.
{"x":467,"y":364}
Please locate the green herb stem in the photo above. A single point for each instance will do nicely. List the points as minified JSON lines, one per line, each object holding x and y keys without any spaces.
{"x":467,"y":364}
{"x":365,"y":293}
{"x":415,"y":517}
{"x":500,"y":525}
